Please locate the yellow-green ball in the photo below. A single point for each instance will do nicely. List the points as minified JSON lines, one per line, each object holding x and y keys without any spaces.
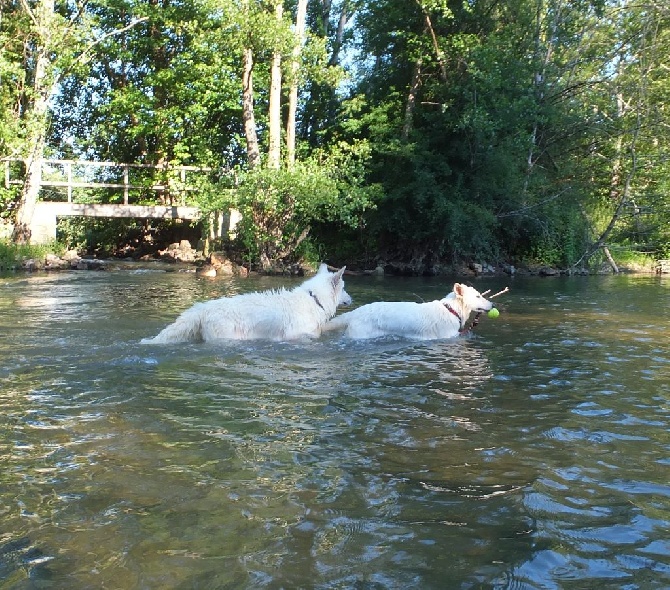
{"x":493,"y":313}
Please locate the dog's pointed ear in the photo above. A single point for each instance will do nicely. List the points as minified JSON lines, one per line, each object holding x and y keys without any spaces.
{"x":337,"y":277}
{"x":323,"y":268}
{"x":458,"y":289}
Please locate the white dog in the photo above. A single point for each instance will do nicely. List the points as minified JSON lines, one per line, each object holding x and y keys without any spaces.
{"x":422,"y":321}
{"x":272,"y":315}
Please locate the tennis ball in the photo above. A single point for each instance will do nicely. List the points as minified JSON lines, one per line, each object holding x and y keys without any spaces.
{"x":493,"y":313}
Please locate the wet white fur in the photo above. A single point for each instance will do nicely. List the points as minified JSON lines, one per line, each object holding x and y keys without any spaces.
{"x":420,"y":321}
{"x":274,"y":315}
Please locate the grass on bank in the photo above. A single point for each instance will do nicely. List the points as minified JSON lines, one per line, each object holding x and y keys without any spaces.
{"x":634,"y":260}
{"x":13,"y":255}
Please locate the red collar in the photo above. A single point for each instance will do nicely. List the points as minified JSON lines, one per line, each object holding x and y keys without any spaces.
{"x":452,"y":310}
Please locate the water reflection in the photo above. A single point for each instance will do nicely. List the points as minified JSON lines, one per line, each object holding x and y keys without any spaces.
{"x":533,"y":454}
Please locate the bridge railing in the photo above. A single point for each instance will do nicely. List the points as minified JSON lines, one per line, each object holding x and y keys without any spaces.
{"x":61,"y":174}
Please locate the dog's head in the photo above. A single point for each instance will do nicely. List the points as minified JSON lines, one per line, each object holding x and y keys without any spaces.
{"x":338,"y":283}
{"x":470,"y":299}
{"x":334,"y":282}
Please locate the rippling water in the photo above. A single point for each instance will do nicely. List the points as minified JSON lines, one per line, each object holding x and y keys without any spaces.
{"x":534,"y":454}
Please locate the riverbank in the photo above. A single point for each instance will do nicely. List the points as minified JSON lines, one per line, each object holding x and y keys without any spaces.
{"x":182,"y":257}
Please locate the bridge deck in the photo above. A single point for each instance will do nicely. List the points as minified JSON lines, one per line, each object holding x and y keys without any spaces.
{"x":111,"y":210}
{"x":43,"y":227}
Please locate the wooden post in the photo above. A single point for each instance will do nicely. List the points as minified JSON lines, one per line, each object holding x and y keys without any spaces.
{"x":68,"y":168}
{"x":126,"y":184}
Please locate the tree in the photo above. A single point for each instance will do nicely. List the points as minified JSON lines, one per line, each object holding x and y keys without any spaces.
{"x":625,"y":154}
{"x":167,"y":91}
{"x":13,"y":90}
{"x":280,"y":203}
{"x":46,"y":29}
{"x":253,"y":152}
{"x":476,"y":117}
{"x":528,"y":129}
{"x":452,"y":86}
{"x":55,"y":45}
{"x":330,"y":32}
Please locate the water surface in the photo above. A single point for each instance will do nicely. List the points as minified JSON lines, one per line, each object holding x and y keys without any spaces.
{"x":532,"y":454}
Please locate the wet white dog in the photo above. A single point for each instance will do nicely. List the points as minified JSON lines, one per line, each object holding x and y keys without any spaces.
{"x":271,"y":315}
{"x":443,"y":318}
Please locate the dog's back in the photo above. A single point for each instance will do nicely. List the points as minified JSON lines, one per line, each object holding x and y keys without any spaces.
{"x":273,"y":315}
{"x":422,"y":321}
{"x":402,"y":318}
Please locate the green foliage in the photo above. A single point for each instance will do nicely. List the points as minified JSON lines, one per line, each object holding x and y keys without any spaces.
{"x":12,"y":78}
{"x":472,"y":130}
{"x":560,"y":234}
{"x":279,"y":207}
{"x":168,"y":94}
{"x":120,"y":237}
{"x":12,"y":255}
{"x":8,"y":196}
{"x":632,"y":259}
{"x":516,"y":144}
{"x":94,"y":235}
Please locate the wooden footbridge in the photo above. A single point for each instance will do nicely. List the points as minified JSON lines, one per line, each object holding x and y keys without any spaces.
{"x":73,"y":181}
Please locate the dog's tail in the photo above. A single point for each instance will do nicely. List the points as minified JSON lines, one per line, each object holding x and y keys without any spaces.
{"x":339,"y":322}
{"x":186,"y":328}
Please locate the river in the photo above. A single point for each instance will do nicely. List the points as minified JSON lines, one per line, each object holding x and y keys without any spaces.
{"x":534,"y":453}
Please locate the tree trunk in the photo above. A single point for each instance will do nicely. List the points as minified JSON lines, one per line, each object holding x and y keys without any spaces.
{"x":36,"y":121}
{"x":274,"y":148}
{"x":293,"y":95}
{"x":411,"y":99}
{"x":544,"y":49}
{"x":29,"y":196}
{"x":615,"y":268}
{"x":439,"y":55}
{"x":253,"y":153}
{"x":346,"y":12}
